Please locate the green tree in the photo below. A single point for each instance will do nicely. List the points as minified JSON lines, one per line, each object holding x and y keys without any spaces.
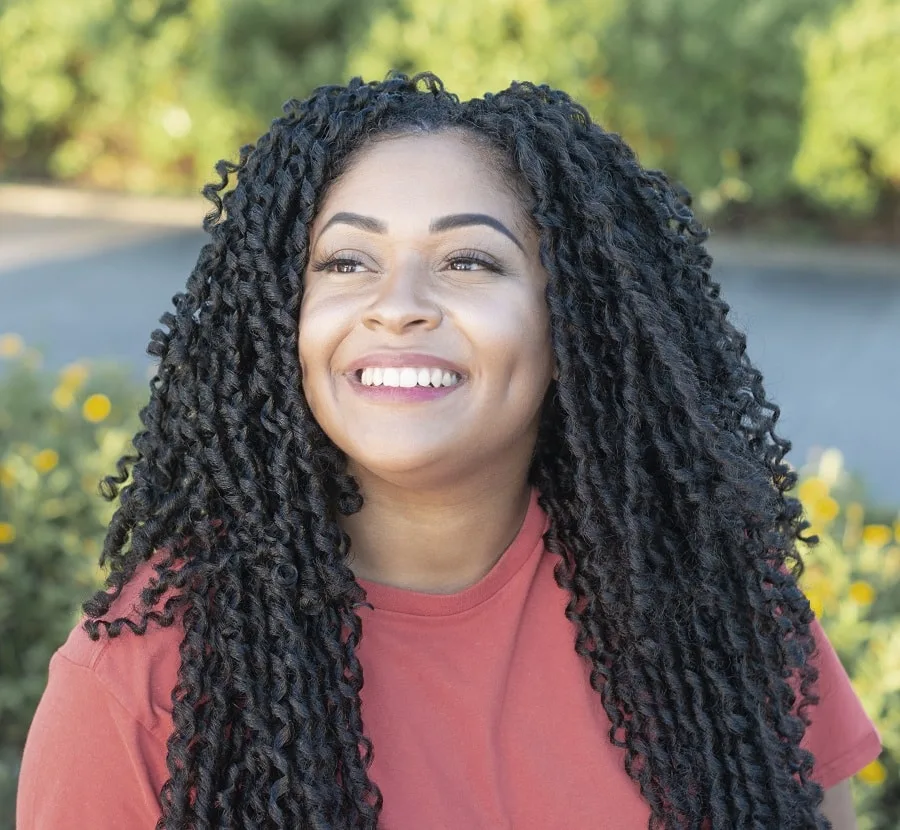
{"x":267,"y":51}
{"x":711,"y":90}
{"x":849,"y":155}
{"x":40,"y":52}
{"x":110,"y":92}
{"x":478,"y":47}
{"x":145,"y":95}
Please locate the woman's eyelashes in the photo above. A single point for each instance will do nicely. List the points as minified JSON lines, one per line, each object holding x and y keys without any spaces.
{"x":472,"y":261}
{"x":343,"y":262}
{"x":337,"y":265}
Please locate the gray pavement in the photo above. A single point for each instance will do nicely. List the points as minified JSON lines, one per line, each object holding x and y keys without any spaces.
{"x":823,"y":325}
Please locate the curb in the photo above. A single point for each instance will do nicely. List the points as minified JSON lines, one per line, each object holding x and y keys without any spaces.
{"x":60,"y":202}
{"x":172,"y":212}
{"x":843,"y":261}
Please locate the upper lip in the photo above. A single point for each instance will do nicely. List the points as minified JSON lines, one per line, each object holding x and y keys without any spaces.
{"x":414,"y":360}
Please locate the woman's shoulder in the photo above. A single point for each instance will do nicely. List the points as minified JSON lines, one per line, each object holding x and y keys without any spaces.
{"x":139,"y":671}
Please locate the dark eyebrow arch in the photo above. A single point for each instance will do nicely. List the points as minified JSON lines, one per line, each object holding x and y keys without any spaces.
{"x":364,"y":223}
{"x":444,"y":223}
{"x":462,"y":220}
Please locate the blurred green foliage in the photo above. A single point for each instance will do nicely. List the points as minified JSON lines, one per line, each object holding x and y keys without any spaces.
{"x":475,"y":47}
{"x":271,"y":50}
{"x":852,"y":579}
{"x":60,"y":433}
{"x":764,"y":103}
{"x":849,"y":155}
{"x":115,"y":93}
{"x":712,"y":89}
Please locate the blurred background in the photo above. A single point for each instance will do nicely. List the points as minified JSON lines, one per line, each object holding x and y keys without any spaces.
{"x":782,"y":117}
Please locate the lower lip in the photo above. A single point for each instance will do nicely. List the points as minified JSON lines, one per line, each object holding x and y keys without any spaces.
{"x":401,"y":394}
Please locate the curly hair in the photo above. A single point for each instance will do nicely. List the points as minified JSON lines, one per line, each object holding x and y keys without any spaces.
{"x":656,"y":463}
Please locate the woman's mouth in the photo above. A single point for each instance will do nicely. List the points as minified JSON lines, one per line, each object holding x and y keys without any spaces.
{"x":407,"y":377}
{"x":404,"y":384}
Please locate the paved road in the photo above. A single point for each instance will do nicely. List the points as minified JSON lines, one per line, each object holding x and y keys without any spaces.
{"x":827,"y":341}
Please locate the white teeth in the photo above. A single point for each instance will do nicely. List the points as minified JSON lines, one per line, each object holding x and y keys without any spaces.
{"x":407,"y":377}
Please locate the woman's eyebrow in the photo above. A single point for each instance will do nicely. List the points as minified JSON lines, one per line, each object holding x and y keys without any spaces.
{"x":364,"y":223}
{"x":443,"y":223}
{"x":462,"y":220}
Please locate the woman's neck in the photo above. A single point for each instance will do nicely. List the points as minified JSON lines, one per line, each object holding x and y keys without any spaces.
{"x":438,"y":541}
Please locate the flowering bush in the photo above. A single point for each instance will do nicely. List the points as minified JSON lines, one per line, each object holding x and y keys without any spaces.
{"x":60,"y":433}
{"x":852,"y":579}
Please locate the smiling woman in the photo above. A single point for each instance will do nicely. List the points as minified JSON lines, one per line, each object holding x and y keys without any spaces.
{"x":432,"y":279}
{"x":453,"y":376}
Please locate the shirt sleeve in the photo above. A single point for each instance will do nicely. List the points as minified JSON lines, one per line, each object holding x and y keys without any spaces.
{"x":841,"y":735}
{"x":87,"y":761}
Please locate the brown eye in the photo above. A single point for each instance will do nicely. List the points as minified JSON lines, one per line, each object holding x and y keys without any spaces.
{"x":339,"y":265}
{"x":346,"y":266}
{"x":472,"y":261}
{"x":465,"y":264}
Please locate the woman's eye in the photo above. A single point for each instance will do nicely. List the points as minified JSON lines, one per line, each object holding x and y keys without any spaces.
{"x":472,"y":263}
{"x":339,"y":265}
{"x":346,"y":266}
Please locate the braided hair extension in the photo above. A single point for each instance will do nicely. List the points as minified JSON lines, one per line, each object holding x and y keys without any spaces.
{"x":656,"y":462}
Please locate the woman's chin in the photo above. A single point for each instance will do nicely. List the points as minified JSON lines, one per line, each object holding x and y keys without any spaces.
{"x":413,"y":468}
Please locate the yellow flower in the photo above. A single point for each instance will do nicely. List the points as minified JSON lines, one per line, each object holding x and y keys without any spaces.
{"x":11,"y":345}
{"x":7,"y":533}
{"x":897,"y":530}
{"x":813,"y":530}
{"x":7,"y":477}
{"x":820,"y":589}
{"x":862,"y":593}
{"x":815,"y":602}
{"x":63,"y":397}
{"x":825,"y":509}
{"x":812,"y":490}
{"x":73,"y":375}
{"x":46,"y":460}
{"x":876,"y":535}
{"x":873,"y":773}
{"x":96,"y":408}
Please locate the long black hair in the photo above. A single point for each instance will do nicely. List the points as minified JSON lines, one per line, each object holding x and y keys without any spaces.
{"x":656,"y":462}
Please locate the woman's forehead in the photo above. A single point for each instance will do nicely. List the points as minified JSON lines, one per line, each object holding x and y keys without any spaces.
{"x":425,"y":175}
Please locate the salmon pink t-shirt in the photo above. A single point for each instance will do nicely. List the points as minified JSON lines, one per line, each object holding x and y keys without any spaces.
{"x":479,"y":709}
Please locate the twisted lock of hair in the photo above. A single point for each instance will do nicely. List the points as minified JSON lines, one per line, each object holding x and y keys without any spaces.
{"x":656,"y":462}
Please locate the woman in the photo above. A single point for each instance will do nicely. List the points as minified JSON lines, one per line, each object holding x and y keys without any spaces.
{"x":455,"y":377}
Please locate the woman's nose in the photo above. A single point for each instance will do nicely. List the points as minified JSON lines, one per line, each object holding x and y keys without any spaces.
{"x":403,"y":301}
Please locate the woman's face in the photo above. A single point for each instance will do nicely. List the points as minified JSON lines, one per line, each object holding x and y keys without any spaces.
{"x":424,"y":335}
